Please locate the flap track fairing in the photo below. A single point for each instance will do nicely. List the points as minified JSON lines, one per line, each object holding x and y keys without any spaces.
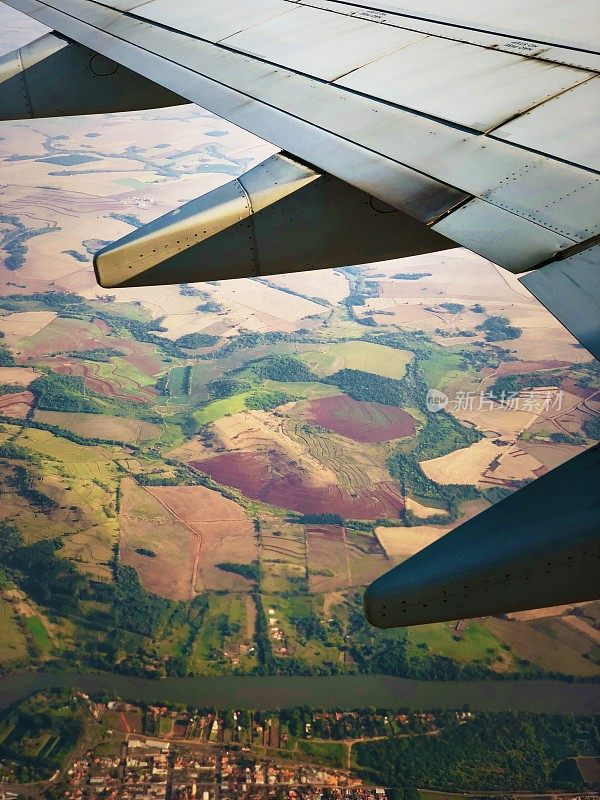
{"x":54,"y":77}
{"x":282,"y":216}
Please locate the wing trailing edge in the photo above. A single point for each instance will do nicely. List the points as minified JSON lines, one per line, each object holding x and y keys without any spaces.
{"x":53,"y":77}
{"x":282,"y":216}
{"x":539,"y":547}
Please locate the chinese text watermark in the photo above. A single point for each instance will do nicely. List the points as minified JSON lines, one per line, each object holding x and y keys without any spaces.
{"x":534,"y":401}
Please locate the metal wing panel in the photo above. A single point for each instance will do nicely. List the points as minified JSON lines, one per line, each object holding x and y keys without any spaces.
{"x":530,"y":47}
{"x":567,"y":127}
{"x":320,"y":43}
{"x":501,"y":236}
{"x":572,"y":24}
{"x":213,"y":20}
{"x":459,"y":82}
{"x":419,"y":195}
{"x":123,"y":5}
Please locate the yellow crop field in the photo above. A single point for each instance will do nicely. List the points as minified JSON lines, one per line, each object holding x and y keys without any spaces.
{"x":366,"y":356}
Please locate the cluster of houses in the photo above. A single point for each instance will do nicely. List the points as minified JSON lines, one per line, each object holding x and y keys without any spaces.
{"x":153,"y":769}
{"x":276,"y":633}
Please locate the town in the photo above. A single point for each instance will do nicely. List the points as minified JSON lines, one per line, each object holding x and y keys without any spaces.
{"x":151,"y":769}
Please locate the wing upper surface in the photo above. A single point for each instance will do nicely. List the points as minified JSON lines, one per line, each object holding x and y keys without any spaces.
{"x":463,"y":126}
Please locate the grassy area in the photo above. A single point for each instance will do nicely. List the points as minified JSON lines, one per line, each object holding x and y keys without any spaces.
{"x":178,"y":379}
{"x":366,"y":356}
{"x":472,"y":643}
{"x":124,"y":374}
{"x":222,"y":631}
{"x":36,"y":628}
{"x":165,"y":726}
{"x":299,"y":617}
{"x":441,"y":368}
{"x":310,"y":391}
{"x":12,"y":641}
{"x":47,"y":444}
{"x":332,"y":754}
{"x":222,"y":408}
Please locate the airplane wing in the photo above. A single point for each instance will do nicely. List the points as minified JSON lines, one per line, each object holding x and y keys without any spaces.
{"x":407,"y":127}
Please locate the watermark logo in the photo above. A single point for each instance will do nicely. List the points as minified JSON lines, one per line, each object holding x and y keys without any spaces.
{"x":534,"y":401}
{"x":436,"y":400}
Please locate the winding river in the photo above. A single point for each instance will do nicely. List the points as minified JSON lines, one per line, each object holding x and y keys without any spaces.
{"x":342,"y":691}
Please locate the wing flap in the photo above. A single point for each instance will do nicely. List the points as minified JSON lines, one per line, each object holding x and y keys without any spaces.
{"x":293,"y":110}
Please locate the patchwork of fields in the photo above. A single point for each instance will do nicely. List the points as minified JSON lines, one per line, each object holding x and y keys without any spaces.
{"x":225,"y":466}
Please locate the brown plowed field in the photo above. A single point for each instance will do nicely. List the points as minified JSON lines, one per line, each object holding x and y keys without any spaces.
{"x":363,"y":422}
{"x":222,"y":531}
{"x":62,"y":335}
{"x":147,"y":524}
{"x":120,"y":429}
{"x":354,"y":558}
{"x":272,"y":478}
{"x":191,"y":529}
{"x":17,"y":376}
{"x":16,"y":405}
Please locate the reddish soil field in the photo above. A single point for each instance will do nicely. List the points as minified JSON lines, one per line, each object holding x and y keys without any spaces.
{"x":324,"y":533}
{"x":16,"y":405}
{"x":103,"y":325}
{"x":138,"y":354}
{"x":571,"y":387}
{"x":589,"y":766}
{"x":363,"y":422}
{"x":272,"y":478}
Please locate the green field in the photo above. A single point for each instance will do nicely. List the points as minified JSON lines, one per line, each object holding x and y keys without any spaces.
{"x":36,"y":628}
{"x":125,"y":374}
{"x":46,"y":444}
{"x":178,"y":377}
{"x":366,"y":356}
{"x":308,"y":391}
{"x":222,"y":408}
{"x":292,"y":612}
{"x":13,"y":646}
{"x":441,"y":368}
{"x":223,"y":629}
{"x":332,"y":754}
{"x":471,"y":643}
